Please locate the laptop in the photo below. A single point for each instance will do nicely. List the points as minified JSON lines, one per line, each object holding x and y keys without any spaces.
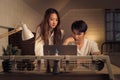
{"x":60,"y":49}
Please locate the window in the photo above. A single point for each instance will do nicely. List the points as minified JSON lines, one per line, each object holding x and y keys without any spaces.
{"x":112,"y":20}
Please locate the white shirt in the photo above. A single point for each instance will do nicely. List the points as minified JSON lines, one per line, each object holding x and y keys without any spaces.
{"x":88,"y":47}
{"x":39,"y":43}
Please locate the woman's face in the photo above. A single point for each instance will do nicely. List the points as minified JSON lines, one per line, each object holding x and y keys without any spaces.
{"x":78,"y":36}
{"x":53,"y":20}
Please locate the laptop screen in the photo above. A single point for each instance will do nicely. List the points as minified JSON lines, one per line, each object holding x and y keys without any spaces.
{"x":60,"y":49}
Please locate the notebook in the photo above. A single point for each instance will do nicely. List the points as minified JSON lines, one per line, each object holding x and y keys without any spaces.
{"x":60,"y":49}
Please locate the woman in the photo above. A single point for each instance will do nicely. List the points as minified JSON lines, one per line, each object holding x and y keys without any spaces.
{"x":84,"y":46}
{"x":48,"y":31}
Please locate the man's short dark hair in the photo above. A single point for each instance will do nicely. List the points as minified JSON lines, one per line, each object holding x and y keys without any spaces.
{"x":79,"y":25}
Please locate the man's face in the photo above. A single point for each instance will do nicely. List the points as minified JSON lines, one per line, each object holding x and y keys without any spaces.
{"x":78,"y":35}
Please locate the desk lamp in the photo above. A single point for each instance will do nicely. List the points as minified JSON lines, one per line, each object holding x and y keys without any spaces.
{"x":26,"y":33}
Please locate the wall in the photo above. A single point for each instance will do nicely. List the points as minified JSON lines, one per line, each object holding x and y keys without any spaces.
{"x":13,"y":12}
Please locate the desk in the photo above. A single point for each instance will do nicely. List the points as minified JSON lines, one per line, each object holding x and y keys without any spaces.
{"x":65,"y":57}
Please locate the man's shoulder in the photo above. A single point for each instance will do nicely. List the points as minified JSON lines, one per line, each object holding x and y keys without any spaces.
{"x":89,"y":40}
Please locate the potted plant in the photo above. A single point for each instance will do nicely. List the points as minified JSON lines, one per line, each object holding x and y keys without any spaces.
{"x":10,"y":50}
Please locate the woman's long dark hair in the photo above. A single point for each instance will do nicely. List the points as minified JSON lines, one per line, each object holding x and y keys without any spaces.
{"x":44,"y":28}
